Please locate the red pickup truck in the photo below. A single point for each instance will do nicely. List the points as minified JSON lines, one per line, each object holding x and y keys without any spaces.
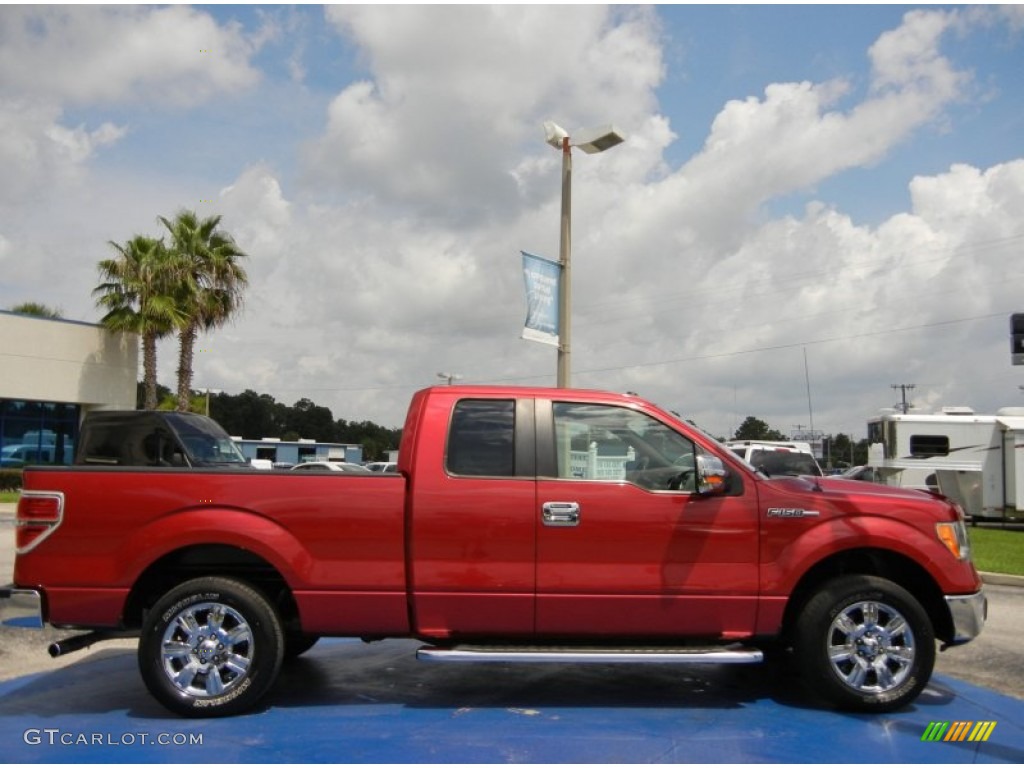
{"x":522,"y":525}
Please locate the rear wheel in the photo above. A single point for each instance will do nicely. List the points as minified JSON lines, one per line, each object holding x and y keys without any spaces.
{"x":210,"y":647}
{"x":865,"y":643}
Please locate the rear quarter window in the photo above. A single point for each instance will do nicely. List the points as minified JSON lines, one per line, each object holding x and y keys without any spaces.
{"x":481,"y":439}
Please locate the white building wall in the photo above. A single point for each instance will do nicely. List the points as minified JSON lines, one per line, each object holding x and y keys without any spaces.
{"x":67,"y":362}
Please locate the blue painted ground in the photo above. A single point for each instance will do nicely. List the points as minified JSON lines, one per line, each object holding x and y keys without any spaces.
{"x":347,"y":702}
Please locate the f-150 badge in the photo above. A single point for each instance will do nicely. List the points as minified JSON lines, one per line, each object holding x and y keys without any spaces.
{"x":780,"y":512}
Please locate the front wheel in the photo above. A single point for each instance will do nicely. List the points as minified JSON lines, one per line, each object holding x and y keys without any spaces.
{"x":865,"y":644}
{"x":210,"y":647}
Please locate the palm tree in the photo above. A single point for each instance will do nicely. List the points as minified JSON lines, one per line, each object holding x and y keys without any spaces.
{"x":138,"y":293}
{"x":35,"y":309}
{"x":209,"y":288}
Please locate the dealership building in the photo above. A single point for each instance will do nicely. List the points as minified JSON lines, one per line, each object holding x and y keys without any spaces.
{"x":52,"y":372}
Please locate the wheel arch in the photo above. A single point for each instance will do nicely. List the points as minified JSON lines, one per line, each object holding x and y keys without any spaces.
{"x":199,"y":560}
{"x":869,"y":561}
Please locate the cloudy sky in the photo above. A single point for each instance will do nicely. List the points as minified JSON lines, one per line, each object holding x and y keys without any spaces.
{"x":837,"y":185}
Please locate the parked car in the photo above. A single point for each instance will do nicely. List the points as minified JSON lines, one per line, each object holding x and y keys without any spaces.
{"x":866,"y":473}
{"x":331,"y":466}
{"x":20,"y":455}
{"x":777,"y":459}
{"x":382,"y":466}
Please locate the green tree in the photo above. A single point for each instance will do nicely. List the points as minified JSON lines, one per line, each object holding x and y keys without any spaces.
{"x":138,"y":292}
{"x":210,"y":285}
{"x":756,"y":429}
{"x":311,"y":421}
{"x":249,"y":414}
{"x":375,"y":439}
{"x":140,"y":394}
{"x":35,"y":309}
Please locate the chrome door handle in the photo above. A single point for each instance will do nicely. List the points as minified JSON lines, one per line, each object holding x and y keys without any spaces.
{"x":561,"y":513}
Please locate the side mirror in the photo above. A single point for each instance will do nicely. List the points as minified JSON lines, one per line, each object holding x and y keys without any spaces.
{"x":711,"y":475}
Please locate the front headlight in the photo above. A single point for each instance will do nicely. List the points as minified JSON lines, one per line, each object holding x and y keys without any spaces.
{"x":954,"y":536}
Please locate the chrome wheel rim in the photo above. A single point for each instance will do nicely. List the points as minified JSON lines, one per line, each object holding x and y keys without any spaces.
{"x":207,"y":650}
{"x":871,"y":647}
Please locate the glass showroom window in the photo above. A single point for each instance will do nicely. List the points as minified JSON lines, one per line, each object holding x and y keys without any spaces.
{"x":33,"y":432}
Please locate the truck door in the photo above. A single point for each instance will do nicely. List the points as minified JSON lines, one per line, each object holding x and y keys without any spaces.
{"x":472,"y":523}
{"x":626,"y":546}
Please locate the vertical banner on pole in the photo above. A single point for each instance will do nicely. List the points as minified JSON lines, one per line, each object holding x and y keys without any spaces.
{"x":542,"y":278}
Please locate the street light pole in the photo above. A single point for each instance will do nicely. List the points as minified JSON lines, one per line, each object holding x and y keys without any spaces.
{"x":214,"y":391}
{"x":565,"y":260}
{"x":591,"y":142}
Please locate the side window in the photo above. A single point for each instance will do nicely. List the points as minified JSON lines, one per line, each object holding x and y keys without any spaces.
{"x":927,"y":446}
{"x":99,"y":446}
{"x":612,"y":444}
{"x":481,"y":439}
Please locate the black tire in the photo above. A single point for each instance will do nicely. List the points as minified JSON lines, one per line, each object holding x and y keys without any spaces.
{"x":296,"y":644}
{"x":865,"y":644}
{"x":210,"y":647}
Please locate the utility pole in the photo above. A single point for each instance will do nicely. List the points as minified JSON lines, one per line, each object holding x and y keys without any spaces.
{"x":903,"y":405}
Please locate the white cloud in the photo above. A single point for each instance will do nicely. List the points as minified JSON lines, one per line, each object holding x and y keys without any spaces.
{"x":908,"y":56}
{"x":78,"y":144}
{"x":38,"y":152}
{"x":58,"y":58}
{"x":390,"y":285}
{"x":255,"y":200}
{"x":93,"y":54}
{"x":392,"y":252}
{"x":443,"y":123}
{"x":923,"y":295}
{"x":797,"y":136}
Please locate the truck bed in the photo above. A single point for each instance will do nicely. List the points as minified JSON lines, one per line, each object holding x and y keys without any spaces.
{"x":324,"y":534}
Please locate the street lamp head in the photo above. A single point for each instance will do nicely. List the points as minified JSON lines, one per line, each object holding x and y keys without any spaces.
{"x":599,"y":139}
{"x":554,"y":134}
{"x":591,"y":141}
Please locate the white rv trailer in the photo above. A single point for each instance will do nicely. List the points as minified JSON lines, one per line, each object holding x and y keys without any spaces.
{"x":975,"y":459}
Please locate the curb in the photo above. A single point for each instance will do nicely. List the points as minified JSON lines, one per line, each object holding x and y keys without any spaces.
{"x":1003,"y":579}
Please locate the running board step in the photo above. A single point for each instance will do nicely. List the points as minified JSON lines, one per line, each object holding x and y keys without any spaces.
{"x":719,"y":654}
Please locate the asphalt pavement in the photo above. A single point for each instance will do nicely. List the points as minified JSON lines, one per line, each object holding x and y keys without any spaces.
{"x":349,"y":702}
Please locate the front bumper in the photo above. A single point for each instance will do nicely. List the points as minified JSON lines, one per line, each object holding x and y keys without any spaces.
{"x":969,"y":613}
{"x":21,"y":608}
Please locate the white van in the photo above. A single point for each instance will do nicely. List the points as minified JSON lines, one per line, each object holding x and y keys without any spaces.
{"x":776,"y":458}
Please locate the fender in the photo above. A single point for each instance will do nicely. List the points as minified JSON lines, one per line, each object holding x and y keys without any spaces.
{"x":235,"y":527}
{"x":781,"y":570}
